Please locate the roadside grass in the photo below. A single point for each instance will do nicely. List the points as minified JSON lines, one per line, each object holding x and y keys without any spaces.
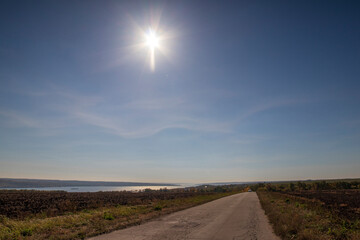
{"x":304,"y":219}
{"x":93,"y":222}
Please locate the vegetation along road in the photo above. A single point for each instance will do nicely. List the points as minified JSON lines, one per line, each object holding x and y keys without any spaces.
{"x":234,"y":217}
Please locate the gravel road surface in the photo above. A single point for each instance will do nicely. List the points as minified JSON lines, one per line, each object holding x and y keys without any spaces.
{"x":236,"y":217}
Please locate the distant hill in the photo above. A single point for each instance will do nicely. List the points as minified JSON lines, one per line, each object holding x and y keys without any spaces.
{"x":38,"y":183}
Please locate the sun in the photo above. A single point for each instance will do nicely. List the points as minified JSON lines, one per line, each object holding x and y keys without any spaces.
{"x":152,"y":40}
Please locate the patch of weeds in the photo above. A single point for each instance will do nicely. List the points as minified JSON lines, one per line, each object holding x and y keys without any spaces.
{"x":158,"y":208}
{"x":126,"y":211}
{"x":292,"y":218}
{"x":81,"y":235}
{"x":309,"y":214}
{"x":26,"y":232}
{"x":2,"y":219}
{"x":355,"y":225}
{"x":338,"y":233}
{"x":108,"y":216}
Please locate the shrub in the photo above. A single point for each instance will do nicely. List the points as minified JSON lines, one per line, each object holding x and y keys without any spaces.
{"x":158,"y":208}
{"x":108,"y":216}
{"x":26,"y":232}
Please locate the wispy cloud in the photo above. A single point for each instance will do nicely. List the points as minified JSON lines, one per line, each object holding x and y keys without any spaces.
{"x":137,"y":118}
{"x":18,"y":119}
{"x":270,"y":104}
{"x":126,"y":128}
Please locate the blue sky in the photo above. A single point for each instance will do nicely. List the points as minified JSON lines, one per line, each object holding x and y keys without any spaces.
{"x":241,"y":91}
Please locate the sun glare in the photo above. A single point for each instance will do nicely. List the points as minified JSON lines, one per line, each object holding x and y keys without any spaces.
{"x":152,"y":40}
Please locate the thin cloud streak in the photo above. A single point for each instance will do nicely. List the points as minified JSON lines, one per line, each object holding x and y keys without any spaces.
{"x":16,"y":119}
{"x":132,"y":119}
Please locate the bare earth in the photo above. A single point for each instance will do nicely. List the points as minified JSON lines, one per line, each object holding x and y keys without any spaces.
{"x":236,"y":217}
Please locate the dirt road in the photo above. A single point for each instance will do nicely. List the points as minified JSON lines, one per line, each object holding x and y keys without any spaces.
{"x":235,"y":217}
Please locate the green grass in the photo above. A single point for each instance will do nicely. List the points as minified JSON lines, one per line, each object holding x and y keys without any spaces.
{"x":88,"y":223}
{"x":298,"y":218}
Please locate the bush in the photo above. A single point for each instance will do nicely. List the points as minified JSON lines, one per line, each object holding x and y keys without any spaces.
{"x":26,"y":232}
{"x":108,"y":216}
{"x":158,"y":208}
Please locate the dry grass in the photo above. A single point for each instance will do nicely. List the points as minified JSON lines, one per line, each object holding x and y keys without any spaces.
{"x":94,"y":222}
{"x":299,"y":218}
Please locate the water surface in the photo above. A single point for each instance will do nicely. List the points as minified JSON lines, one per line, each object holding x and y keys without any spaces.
{"x":100,"y":188}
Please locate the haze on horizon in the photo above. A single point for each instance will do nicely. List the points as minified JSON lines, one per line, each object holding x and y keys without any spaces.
{"x":237,"y":90}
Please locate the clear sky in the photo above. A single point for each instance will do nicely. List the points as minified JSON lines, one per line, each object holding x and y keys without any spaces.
{"x":240,"y":90}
